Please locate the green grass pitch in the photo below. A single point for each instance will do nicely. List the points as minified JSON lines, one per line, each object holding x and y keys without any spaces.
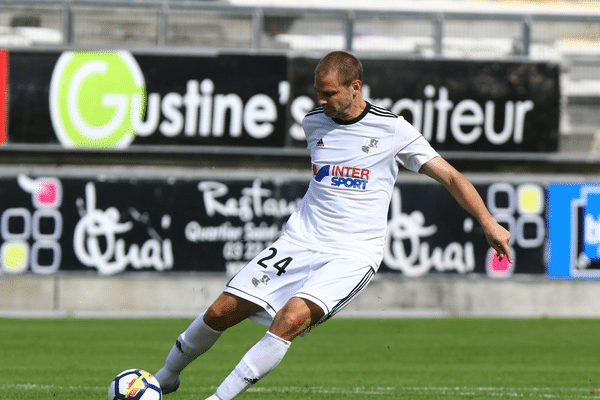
{"x":441,"y":358}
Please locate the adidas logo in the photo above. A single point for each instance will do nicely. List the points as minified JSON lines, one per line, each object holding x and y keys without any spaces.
{"x":251,"y":381}
{"x":320,"y":143}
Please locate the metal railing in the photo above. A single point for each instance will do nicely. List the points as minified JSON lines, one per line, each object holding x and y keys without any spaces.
{"x":161,"y":17}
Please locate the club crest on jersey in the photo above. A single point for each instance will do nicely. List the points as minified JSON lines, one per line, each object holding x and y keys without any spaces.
{"x":260,"y":280}
{"x":341,"y":176}
{"x":369,"y":145}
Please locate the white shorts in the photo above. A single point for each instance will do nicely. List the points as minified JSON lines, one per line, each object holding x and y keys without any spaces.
{"x":285,"y":270}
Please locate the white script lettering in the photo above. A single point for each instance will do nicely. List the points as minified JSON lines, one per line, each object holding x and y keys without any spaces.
{"x":96,"y":244}
{"x":254,"y":202}
{"x":404,"y":250}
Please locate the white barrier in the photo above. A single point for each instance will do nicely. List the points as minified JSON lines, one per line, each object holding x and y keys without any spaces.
{"x":183,"y":295}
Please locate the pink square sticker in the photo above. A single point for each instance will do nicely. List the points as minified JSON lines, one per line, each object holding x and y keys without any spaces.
{"x":498,"y":268}
{"x":47,"y":193}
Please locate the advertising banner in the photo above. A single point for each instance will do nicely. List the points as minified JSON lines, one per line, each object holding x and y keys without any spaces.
{"x":429,"y":232}
{"x":457,"y":105}
{"x":116,"y":99}
{"x":52,"y":224}
{"x":574,"y":231}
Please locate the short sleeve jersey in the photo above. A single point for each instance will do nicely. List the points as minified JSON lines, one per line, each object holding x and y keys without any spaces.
{"x":355,"y":166}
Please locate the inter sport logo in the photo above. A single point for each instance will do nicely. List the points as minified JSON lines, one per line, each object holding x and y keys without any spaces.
{"x":350,"y":177}
{"x":94,"y":97}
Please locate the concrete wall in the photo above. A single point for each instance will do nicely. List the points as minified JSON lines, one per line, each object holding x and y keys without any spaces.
{"x":180,"y":295}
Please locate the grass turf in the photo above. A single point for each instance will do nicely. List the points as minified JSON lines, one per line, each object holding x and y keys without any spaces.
{"x":446,"y":358}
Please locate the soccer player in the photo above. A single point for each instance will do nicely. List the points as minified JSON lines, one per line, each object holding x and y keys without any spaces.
{"x":333,"y":243}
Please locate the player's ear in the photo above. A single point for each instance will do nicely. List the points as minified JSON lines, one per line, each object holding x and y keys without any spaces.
{"x":356,"y":85}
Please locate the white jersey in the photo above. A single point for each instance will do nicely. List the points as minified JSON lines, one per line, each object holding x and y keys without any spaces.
{"x":355,"y":165}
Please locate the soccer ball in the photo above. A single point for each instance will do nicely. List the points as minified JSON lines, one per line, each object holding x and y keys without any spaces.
{"x":134,"y":384}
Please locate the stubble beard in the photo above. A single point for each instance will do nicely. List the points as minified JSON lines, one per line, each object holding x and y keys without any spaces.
{"x":341,"y":113}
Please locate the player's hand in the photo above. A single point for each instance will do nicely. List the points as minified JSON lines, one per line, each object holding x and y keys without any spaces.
{"x":498,"y":237}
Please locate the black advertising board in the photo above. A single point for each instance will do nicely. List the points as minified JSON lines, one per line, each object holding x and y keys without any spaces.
{"x":457,"y":105}
{"x":51,"y":224}
{"x":106,"y":227}
{"x":116,"y":99}
{"x":429,"y":232}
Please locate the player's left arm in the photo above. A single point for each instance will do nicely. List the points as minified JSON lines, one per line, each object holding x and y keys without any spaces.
{"x":467,"y":196}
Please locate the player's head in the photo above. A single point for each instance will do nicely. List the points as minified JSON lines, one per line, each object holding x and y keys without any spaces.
{"x":338,"y":80}
{"x":347,"y":67}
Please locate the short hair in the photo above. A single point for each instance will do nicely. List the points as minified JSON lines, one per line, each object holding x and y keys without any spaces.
{"x":347,"y":67}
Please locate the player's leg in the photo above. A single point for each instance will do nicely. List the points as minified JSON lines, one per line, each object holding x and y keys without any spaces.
{"x":333,"y":282}
{"x":270,"y":280}
{"x":227,"y":311}
{"x":294,"y":318}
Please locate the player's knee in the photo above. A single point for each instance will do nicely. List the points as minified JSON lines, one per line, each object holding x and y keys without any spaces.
{"x":288,"y":327}
{"x":217,"y":318}
{"x":292,"y":321}
{"x":228,"y":311}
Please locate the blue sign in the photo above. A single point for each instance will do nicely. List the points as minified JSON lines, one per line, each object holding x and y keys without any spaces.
{"x":574,"y":231}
